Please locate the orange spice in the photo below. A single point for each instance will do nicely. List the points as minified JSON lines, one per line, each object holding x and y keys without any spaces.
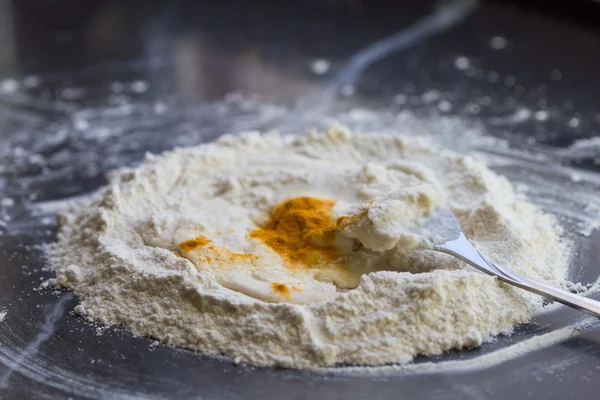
{"x":281,"y":289}
{"x":220,"y":253}
{"x":191,"y":244}
{"x":341,"y":220}
{"x":301,"y":231}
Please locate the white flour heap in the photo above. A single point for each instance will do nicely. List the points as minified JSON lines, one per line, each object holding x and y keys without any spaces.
{"x":187,"y":249}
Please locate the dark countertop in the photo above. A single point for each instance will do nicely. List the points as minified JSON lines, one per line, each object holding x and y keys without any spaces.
{"x":88,"y":86}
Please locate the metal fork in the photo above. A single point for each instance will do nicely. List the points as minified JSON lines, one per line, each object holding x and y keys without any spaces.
{"x":443,"y":231}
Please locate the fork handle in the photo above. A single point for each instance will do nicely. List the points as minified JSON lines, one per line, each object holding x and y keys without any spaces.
{"x":462,"y":249}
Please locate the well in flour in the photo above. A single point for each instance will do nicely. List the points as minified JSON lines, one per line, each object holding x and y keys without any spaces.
{"x":284,"y":250}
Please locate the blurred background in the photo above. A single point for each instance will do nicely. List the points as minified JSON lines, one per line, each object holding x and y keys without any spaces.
{"x":526,"y":69}
{"x":515,"y":51}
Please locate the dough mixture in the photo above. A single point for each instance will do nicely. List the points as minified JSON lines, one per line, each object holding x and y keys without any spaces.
{"x":293,"y":250}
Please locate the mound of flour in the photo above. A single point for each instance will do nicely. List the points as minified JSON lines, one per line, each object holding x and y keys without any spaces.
{"x":122,"y":251}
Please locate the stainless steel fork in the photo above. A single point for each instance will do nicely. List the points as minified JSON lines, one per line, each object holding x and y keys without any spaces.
{"x":444,"y":233}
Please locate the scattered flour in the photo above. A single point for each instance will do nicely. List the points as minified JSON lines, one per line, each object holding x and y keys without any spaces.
{"x":586,"y":143}
{"x":3,"y":315}
{"x":170,"y":250}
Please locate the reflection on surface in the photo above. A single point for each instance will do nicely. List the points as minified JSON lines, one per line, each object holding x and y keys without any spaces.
{"x":203,"y":68}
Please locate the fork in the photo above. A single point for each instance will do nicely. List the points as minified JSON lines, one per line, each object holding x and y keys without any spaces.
{"x":444,"y":234}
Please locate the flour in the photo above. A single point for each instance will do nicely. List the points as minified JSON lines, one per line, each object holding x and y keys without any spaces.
{"x":384,"y":224}
{"x":127,"y":253}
